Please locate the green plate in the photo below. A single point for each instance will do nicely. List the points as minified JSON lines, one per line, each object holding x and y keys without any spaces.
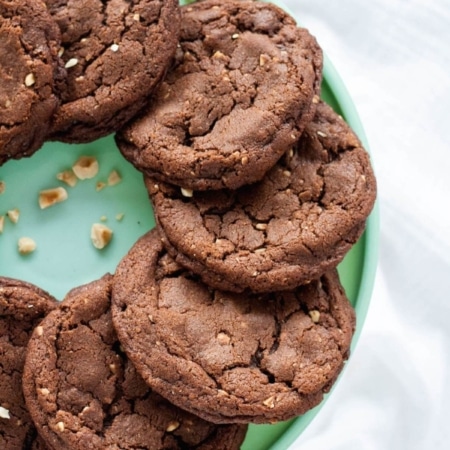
{"x":65,"y":256}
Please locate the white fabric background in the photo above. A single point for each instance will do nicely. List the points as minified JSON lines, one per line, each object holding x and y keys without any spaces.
{"x":394,"y":58}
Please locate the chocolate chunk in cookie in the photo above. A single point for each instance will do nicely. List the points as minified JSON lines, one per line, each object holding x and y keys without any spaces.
{"x":239,"y":94}
{"x":83,"y":392}
{"x":229,"y":358}
{"x":29,"y":66}
{"x":291,"y":227}
{"x":22,"y":307}
{"x":115,"y":52}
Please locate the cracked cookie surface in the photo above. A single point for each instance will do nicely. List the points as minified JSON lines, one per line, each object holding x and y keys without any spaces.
{"x":115,"y":51}
{"x":229,"y":358}
{"x":291,"y":227}
{"x":238,"y":96}
{"x":29,"y":66}
{"x":22,"y":307}
{"x":83,"y":392}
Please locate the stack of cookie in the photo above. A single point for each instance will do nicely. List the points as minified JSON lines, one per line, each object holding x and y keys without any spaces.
{"x":231,"y":311}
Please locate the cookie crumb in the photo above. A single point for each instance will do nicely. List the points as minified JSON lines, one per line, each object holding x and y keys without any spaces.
{"x":101,"y":235}
{"x":172,"y":426}
{"x":119,"y":216}
{"x":103,"y":218}
{"x":2,"y":224}
{"x":114,"y":178}
{"x":50,"y":197}
{"x":4,"y":413}
{"x":86,"y":167}
{"x":2,"y":187}
{"x":100,"y":185}
{"x":13,"y":215}
{"x":26,"y":245}
{"x":68,"y":177}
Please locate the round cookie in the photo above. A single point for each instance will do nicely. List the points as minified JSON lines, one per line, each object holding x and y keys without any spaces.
{"x":22,"y":307}
{"x":238,"y":96}
{"x":291,"y":227}
{"x":29,"y":65}
{"x":83,"y":392}
{"x":229,"y":358}
{"x":115,"y":52}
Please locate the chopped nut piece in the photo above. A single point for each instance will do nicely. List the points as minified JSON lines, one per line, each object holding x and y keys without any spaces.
{"x":103,"y":218}
{"x":71,"y":63}
{"x":100,"y":185}
{"x":136,"y":17}
{"x":172,"y":426}
{"x":269,"y":402}
{"x":13,"y":215}
{"x":223,"y":338}
{"x":26,"y":245}
{"x":4,"y":413}
{"x":315,"y":315}
{"x":260,"y":250}
{"x":114,"y":178}
{"x":30,"y":80}
{"x":68,"y":177}
{"x":61,"y":51}
{"x":261,"y":226}
{"x":291,"y":152}
{"x":101,"y":235}
{"x":235,"y":36}
{"x":50,"y":197}
{"x":187,"y":192}
{"x":113,"y":368}
{"x":322,"y":134}
{"x":316,"y":99}
{"x":2,"y":223}
{"x":263,"y":59}
{"x":2,"y":187}
{"x":86,"y":167}
{"x":287,"y":173}
{"x":44,"y":391}
{"x":244,"y":160}
{"x":39,"y":330}
{"x":119,"y":216}
{"x":60,"y":426}
{"x":114,"y":48}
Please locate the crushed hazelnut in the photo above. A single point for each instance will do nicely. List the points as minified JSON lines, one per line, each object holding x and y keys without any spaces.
{"x":68,"y":177}
{"x":322,"y":134}
{"x":261,"y":226}
{"x":316,"y":99}
{"x":50,"y":197}
{"x":263,"y":59}
{"x":2,"y":223}
{"x":60,"y":426}
{"x":86,"y":167}
{"x":4,"y":413}
{"x":287,"y":173}
{"x":187,"y":192}
{"x":269,"y":402}
{"x":39,"y":330}
{"x":218,"y":55}
{"x":113,"y":368}
{"x":61,"y":51}
{"x":30,"y":80}
{"x":2,"y":187}
{"x":235,"y":36}
{"x":114,"y":48}
{"x":223,"y":338}
{"x":114,"y":178}
{"x":71,"y":63}
{"x":101,"y":235}
{"x":315,"y":315}
{"x":172,"y":426}
{"x":244,"y":160}
{"x":136,"y":17}
{"x":26,"y":245}
{"x":44,"y":391}
{"x":13,"y":215}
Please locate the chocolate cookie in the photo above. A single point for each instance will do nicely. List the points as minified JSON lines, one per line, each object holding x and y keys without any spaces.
{"x":291,"y":227}
{"x":115,"y":52}
{"x":29,"y":65}
{"x":22,"y":307}
{"x":83,"y":392}
{"x":238,"y":96}
{"x":229,"y":358}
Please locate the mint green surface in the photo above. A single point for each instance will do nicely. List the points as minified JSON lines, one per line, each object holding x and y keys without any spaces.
{"x":66,"y":258}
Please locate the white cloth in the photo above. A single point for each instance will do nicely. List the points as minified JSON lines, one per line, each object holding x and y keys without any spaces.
{"x":394,"y":58}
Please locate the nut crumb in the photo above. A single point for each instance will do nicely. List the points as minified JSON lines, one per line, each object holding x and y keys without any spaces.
{"x":269,"y":402}
{"x":114,"y":178}
{"x":68,"y":177}
{"x":30,"y":80}
{"x":103,"y":218}
{"x":315,"y":315}
{"x":316,"y":99}
{"x":263,"y":59}
{"x":223,"y":338}
{"x":172,"y":426}
{"x":4,"y":413}
{"x":13,"y":215}
{"x":100,"y":185}
{"x":101,"y":235}
{"x":322,"y":134}
{"x":60,"y":426}
{"x":71,"y":63}
{"x":86,"y":167}
{"x":114,"y":48}
{"x":136,"y":17}
{"x":119,"y":216}
{"x":261,"y":226}
{"x":244,"y":160}
{"x":113,"y":368}
{"x":50,"y":197}
{"x":61,"y":51}
{"x":26,"y":245}
{"x":235,"y":36}
{"x":44,"y":391}
{"x":2,"y":224}
{"x":187,"y":192}
{"x":39,"y":330}
{"x":2,"y":187}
